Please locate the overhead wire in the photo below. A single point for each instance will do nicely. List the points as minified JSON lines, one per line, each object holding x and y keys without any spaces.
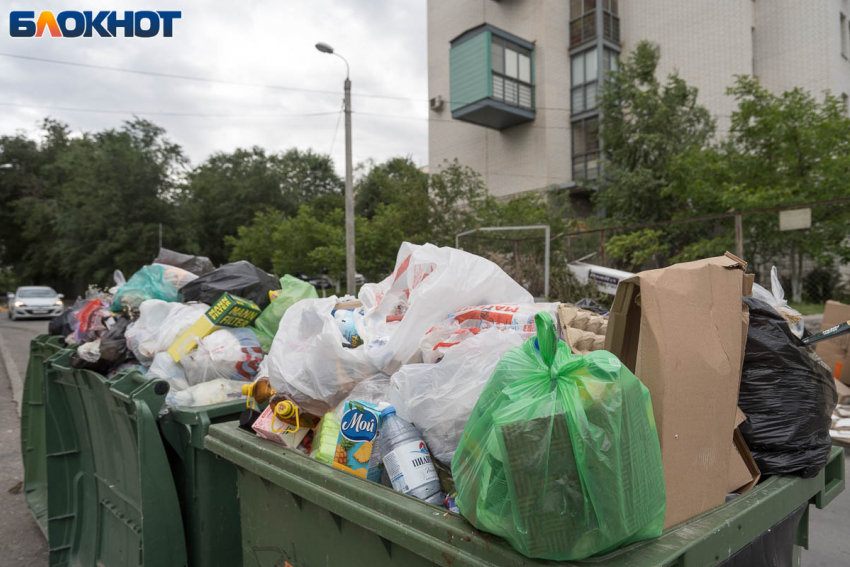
{"x":164,"y":113}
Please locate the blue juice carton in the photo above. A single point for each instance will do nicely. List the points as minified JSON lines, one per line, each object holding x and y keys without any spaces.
{"x":357,"y":444}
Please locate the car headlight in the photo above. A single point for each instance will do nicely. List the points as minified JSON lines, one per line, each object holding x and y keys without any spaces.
{"x":59,"y":302}
{"x":19,"y":304}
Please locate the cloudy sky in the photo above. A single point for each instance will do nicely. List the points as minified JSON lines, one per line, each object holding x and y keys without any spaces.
{"x":260,"y":42}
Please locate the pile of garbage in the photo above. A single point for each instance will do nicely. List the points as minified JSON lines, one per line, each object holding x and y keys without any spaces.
{"x":567,"y":430}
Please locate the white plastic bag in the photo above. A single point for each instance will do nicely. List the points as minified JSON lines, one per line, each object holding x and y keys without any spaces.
{"x":427,"y":284}
{"x":164,"y":367}
{"x":776,"y":299}
{"x":308,"y":361}
{"x":177,"y":276}
{"x":438,"y":398}
{"x":467,"y":322}
{"x":160,"y":323}
{"x":213,"y":392}
{"x":90,"y":352}
{"x":234,"y":354}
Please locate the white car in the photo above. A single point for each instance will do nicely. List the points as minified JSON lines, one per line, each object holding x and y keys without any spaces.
{"x":35,"y":301}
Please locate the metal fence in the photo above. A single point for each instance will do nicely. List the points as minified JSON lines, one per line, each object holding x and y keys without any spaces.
{"x":809,"y":244}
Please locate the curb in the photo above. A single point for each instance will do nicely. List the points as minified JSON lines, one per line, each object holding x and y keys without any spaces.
{"x":15,"y":378}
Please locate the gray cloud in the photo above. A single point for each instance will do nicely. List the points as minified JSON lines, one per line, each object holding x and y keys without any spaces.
{"x":269,"y":42}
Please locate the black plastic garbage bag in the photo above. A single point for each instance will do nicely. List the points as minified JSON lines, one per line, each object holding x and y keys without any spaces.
{"x":113,"y":345}
{"x":63,"y":325}
{"x":242,"y":279}
{"x":788,"y":395}
{"x":198,"y":265}
{"x":591,"y":305}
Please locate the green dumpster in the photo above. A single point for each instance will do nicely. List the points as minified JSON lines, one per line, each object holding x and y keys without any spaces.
{"x":111,"y":499}
{"x":298,"y":512}
{"x":206,"y":484}
{"x":32,"y":427}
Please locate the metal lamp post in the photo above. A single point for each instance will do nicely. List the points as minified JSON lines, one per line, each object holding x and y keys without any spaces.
{"x":350,"y":284}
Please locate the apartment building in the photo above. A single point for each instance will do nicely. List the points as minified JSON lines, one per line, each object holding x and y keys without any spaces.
{"x":513,"y":84}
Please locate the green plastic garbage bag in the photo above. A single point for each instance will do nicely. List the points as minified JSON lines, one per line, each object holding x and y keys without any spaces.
{"x":560,"y":455}
{"x":293,"y":291}
{"x":150,"y":282}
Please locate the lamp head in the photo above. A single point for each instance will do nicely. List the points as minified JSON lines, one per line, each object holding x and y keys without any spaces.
{"x":324,"y":47}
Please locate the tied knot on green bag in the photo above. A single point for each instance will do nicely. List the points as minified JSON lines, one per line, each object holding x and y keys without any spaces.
{"x":560,"y":455}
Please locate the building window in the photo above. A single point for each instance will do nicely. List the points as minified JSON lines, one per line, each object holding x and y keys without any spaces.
{"x":611,"y":20}
{"x":610,"y":60}
{"x":585,"y":149}
{"x":511,"y":66}
{"x":584,"y":74}
{"x":844,"y":35}
{"x":583,"y":21}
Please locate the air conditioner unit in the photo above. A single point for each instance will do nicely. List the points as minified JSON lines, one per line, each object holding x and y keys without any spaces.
{"x":437,"y":103}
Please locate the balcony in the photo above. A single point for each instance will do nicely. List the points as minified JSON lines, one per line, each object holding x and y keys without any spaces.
{"x":492,"y":78}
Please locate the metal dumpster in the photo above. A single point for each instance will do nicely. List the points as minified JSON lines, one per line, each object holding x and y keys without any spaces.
{"x":32,"y":427}
{"x":301,"y":513}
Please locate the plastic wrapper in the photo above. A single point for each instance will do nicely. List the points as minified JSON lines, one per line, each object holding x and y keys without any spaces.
{"x":151,"y":282}
{"x":776,"y":299}
{"x":66,"y":323}
{"x":308,"y":361}
{"x":90,"y":317}
{"x":292,"y":291}
{"x":788,"y":395}
{"x":426,"y":285}
{"x":159,"y":325}
{"x":198,"y":265}
{"x":242,"y":279}
{"x":234,"y":354}
{"x":438,"y":398}
{"x":560,"y":455}
{"x":216,"y":391}
{"x":467,"y":322}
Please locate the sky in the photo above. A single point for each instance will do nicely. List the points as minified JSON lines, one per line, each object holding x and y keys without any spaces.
{"x":260,"y":42}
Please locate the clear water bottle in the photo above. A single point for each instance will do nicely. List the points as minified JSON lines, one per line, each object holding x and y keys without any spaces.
{"x":407,"y":460}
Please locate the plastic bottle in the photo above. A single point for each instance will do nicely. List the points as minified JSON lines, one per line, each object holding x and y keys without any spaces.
{"x":260,"y":391}
{"x":407,"y":460}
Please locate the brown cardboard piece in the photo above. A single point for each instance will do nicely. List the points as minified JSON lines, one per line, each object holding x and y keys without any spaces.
{"x":837,"y":349}
{"x":743,"y":471}
{"x":682,"y":331}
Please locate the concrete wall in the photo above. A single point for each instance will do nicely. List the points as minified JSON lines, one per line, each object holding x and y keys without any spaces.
{"x":525,"y":157}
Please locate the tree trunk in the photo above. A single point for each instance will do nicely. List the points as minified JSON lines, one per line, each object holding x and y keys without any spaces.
{"x":796,"y":274}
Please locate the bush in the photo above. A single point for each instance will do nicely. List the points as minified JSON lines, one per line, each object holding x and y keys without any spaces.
{"x":820,"y":284}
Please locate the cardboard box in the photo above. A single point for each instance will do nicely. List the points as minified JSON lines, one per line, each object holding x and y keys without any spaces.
{"x":682,"y":330}
{"x":838,"y":349}
{"x":227,"y":311}
{"x":743,"y":471}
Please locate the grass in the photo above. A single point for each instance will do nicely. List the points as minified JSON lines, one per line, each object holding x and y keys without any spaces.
{"x":807,"y":308}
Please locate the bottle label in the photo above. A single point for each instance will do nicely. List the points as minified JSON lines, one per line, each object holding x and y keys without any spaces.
{"x":409,"y":466}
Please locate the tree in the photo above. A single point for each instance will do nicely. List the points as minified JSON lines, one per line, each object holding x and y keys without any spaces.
{"x":645,"y":125}
{"x":224,"y":192}
{"x":781,"y":150}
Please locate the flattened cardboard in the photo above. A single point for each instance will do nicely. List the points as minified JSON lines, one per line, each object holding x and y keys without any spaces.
{"x":682,"y":331}
{"x":744,"y":474}
{"x":837,"y":349}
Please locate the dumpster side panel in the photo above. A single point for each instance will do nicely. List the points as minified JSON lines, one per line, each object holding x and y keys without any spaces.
{"x":118,"y":505}
{"x":280,"y":527}
{"x":33,"y":439}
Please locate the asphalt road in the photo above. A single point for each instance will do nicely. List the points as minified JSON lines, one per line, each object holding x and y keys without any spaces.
{"x":22,"y":543}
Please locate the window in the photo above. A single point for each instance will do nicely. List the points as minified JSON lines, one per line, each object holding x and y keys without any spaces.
{"x":610,"y":61}
{"x":584,"y":74}
{"x":611,"y":20}
{"x":583,"y":20}
{"x":844,"y":35}
{"x":585,"y":149}
{"x":511,"y":65}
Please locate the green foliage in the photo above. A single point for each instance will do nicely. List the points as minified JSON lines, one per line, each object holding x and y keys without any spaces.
{"x":637,"y":248}
{"x":645,"y":125}
{"x":225,"y":191}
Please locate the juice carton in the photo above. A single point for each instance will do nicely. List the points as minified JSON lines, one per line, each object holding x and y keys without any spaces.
{"x":227,"y":311}
{"x":357,"y":445}
{"x":265,"y":428}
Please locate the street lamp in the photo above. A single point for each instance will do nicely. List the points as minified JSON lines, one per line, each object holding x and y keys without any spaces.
{"x":350,"y":285}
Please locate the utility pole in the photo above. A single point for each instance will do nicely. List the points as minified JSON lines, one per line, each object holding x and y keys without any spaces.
{"x":350,"y":285}
{"x":350,"y":270}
